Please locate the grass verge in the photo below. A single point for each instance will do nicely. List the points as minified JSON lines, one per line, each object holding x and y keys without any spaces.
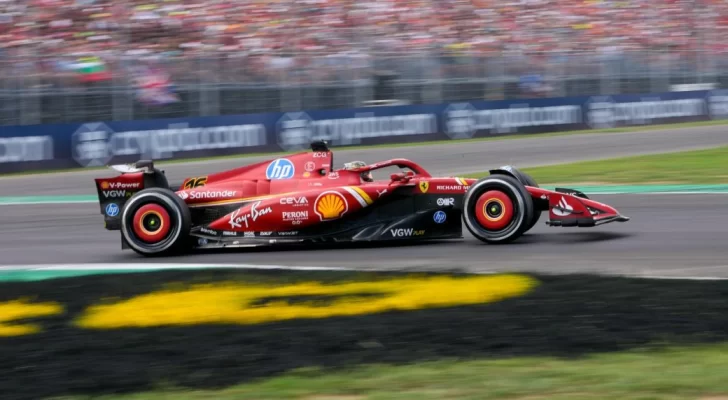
{"x":415,"y":144}
{"x":690,"y":167}
{"x":673,"y":373}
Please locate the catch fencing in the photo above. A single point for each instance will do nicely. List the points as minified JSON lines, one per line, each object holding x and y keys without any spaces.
{"x":33,"y":91}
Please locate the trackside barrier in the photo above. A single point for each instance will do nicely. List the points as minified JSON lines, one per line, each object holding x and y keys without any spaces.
{"x":92,"y":144}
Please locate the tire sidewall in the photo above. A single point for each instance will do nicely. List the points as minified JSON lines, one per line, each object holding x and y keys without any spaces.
{"x":528,"y":180}
{"x":519,"y":196}
{"x":178,"y":212}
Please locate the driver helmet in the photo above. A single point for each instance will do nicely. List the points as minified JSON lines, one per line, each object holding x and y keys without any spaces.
{"x":365,"y":176}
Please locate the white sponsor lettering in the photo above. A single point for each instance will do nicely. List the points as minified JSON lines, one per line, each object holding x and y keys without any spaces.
{"x":268,"y":233}
{"x":114,"y":193}
{"x":28,"y":148}
{"x":124,"y":185}
{"x":296,"y":216}
{"x":603,"y":112}
{"x":448,"y":187}
{"x":298,"y":129}
{"x":298,"y":201}
{"x":333,"y":175}
{"x":249,"y":234}
{"x":208,"y":231}
{"x":212,"y":194}
{"x":228,"y":233}
{"x":445,"y":202}
{"x":691,"y":87}
{"x":236,"y":218}
{"x":288,"y":233}
{"x":718,"y":105}
{"x":95,"y":143}
{"x":320,"y":154}
{"x":463,"y":120}
{"x":406,"y":232}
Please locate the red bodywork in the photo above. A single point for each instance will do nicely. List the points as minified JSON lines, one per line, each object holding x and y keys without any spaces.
{"x":331,"y":193}
{"x":289,"y":194}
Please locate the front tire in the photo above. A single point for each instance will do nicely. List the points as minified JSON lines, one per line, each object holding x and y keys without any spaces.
{"x":155,"y":222}
{"x":528,"y":180}
{"x":497,"y":209}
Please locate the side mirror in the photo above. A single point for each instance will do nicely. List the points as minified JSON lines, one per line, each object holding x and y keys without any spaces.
{"x":400,"y":177}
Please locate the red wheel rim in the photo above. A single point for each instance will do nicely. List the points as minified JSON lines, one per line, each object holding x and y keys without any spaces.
{"x":151,"y":223}
{"x":494,"y":210}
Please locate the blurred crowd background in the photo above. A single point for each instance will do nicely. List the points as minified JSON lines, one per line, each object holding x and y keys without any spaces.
{"x":79,"y":60}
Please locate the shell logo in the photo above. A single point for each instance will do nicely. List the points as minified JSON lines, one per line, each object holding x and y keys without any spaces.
{"x":104,"y":185}
{"x":330,"y":205}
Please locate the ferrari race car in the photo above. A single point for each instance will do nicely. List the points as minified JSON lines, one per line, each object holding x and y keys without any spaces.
{"x":302,"y":198}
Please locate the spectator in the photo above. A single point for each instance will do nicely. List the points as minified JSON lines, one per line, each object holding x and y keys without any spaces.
{"x":271,"y":39}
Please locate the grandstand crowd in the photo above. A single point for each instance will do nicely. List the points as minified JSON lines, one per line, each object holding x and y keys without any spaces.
{"x":83,"y":36}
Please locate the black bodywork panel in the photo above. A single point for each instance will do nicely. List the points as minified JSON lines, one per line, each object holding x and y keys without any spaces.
{"x":403,"y":215}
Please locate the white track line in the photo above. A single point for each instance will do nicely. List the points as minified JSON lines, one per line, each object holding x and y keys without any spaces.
{"x":181,"y":266}
{"x":161,"y":266}
{"x":30,"y":203}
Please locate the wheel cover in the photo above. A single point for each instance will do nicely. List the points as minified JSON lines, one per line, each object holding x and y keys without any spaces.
{"x":151,"y":223}
{"x":494,"y":210}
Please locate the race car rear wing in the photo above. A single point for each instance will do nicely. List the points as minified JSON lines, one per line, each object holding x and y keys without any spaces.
{"x":113,"y":192}
{"x":145,"y":166}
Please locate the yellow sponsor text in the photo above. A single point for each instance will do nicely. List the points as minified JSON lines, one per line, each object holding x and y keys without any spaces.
{"x":248,"y":304}
{"x":13,"y":312}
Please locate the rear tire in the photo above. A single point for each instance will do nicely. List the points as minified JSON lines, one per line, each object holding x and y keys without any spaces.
{"x":497,"y":209}
{"x":155,"y":222}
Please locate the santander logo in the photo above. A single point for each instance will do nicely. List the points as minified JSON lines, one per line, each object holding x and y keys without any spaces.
{"x":213,"y":194}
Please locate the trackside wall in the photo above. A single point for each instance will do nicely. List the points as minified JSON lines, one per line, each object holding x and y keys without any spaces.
{"x":97,"y":143}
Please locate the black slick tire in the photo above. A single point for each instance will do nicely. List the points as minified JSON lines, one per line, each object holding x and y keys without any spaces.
{"x":522,"y":213}
{"x":528,"y":180}
{"x":179,"y":222}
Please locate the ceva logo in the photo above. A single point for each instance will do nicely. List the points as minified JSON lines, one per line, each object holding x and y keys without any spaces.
{"x":280,"y":169}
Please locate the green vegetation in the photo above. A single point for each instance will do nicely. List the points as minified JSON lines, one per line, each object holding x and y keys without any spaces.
{"x":690,"y":167}
{"x":677,"y":373}
{"x":414,"y":144}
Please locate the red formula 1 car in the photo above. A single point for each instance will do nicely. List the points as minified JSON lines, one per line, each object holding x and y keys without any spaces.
{"x":303,"y":198}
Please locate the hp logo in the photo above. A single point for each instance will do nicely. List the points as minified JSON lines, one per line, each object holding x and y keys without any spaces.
{"x":112,"y":210}
{"x":439,"y":217}
{"x":280,"y":169}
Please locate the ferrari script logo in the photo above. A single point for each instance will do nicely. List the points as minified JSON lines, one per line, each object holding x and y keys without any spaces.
{"x":424,"y":186}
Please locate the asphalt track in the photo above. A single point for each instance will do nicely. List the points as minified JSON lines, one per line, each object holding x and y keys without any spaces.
{"x":672,"y":235}
{"x":669,"y":235}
